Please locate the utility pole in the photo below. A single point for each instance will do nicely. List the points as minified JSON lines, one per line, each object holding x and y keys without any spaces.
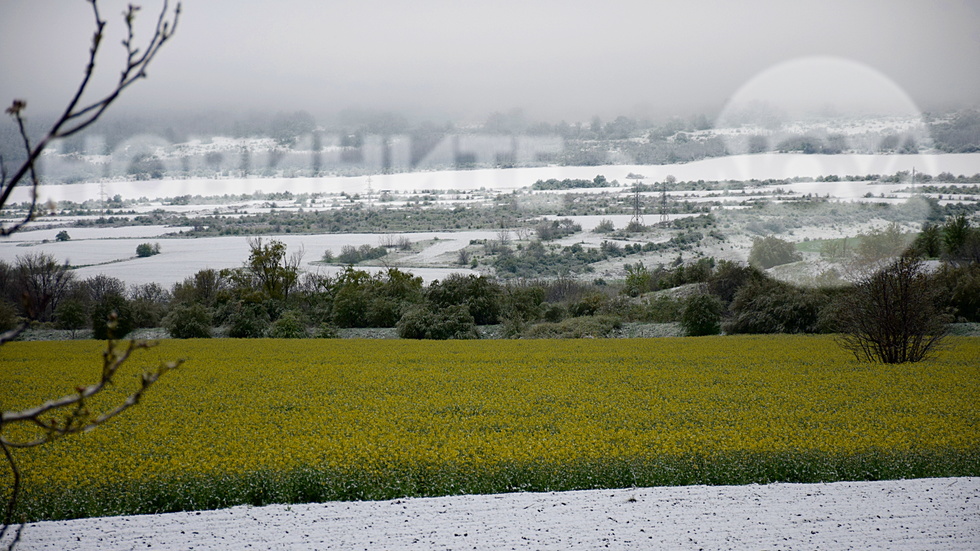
{"x":663,"y":200}
{"x":103,"y":197}
{"x":637,"y":221}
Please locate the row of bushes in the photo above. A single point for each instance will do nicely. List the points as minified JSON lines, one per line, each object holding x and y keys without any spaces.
{"x":269,"y":297}
{"x":713,"y":296}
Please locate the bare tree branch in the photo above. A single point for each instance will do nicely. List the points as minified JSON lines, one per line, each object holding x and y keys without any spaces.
{"x":8,"y":515}
{"x":70,"y":414}
{"x":75,"y":417}
{"x":79,"y":419}
{"x":12,"y":334}
{"x":77,"y":117}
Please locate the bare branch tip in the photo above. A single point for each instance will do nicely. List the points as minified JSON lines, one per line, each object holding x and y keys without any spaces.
{"x":16,"y":107}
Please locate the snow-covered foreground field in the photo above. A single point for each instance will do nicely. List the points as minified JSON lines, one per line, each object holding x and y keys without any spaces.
{"x":938,"y":513}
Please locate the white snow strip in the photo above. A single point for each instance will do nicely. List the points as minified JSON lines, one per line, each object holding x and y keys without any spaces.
{"x":939,"y":513}
{"x":736,"y":167}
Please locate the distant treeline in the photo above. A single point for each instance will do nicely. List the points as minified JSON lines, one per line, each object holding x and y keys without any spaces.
{"x":569,"y":183}
{"x":960,"y":135}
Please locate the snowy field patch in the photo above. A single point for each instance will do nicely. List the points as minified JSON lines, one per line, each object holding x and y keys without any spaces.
{"x":923,"y":514}
{"x":736,"y":167}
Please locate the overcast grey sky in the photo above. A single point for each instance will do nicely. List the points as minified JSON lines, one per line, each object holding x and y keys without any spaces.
{"x":461,"y":60}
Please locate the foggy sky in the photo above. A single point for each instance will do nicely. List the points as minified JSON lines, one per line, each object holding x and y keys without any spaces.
{"x":460,"y":60}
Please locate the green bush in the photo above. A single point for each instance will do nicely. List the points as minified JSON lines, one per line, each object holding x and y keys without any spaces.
{"x":770,"y":306}
{"x":144,"y":250}
{"x":604,"y":226}
{"x":589,"y":305}
{"x":639,"y":280}
{"x":248,"y":321}
{"x":663,"y":309}
{"x":728,"y":277}
{"x":188,"y":321}
{"x":291,"y":325}
{"x":383,"y":311}
{"x":452,"y":322}
{"x":701,"y":315}
{"x":482,"y":296}
{"x":555,"y":313}
{"x":327,"y":331}
{"x":70,"y":315}
{"x":878,"y":245}
{"x":772,"y":251}
{"x":147,"y":314}
{"x":112,"y":318}
{"x":523,"y":302}
{"x":8,"y":316}
{"x":960,"y":288}
{"x":350,"y":305}
{"x":575,"y":328}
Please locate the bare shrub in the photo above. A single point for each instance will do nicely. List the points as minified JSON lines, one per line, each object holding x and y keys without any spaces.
{"x":891,"y":316}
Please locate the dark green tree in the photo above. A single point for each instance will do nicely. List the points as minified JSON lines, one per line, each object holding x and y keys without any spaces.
{"x":274,"y":273}
{"x":961,"y":242}
{"x":149,"y":302}
{"x":929,"y":241}
{"x":188,"y":321}
{"x":351,"y":297}
{"x":144,"y":250}
{"x":960,"y":286}
{"x":287,"y":128}
{"x":248,"y":320}
{"x":425,"y":322}
{"x":112,"y":318}
{"x":205,"y":287}
{"x":701,"y":315}
{"x":71,"y":315}
{"x":765,"y":305}
{"x":728,"y":277}
{"x":772,"y":251}
{"x":480,"y":295}
{"x":8,"y":316}
{"x":639,"y":280}
{"x":290,"y":325}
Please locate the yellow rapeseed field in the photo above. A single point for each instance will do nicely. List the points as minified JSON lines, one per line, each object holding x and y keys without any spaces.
{"x":241,"y":406}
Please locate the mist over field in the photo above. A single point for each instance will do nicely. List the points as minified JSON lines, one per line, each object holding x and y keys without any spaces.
{"x":442,"y":60}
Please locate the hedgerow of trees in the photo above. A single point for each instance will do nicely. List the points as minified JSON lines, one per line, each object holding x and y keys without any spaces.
{"x":250,"y":301}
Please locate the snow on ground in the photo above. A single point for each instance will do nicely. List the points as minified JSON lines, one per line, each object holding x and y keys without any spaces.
{"x":938,"y":513}
{"x":182,"y":258}
{"x":736,"y":167}
{"x":38,"y":233}
{"x":111,"y":251}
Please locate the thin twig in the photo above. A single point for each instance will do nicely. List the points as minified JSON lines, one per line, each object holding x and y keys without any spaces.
{"x":79,"y":419}
{"x":75,"y":119}
{"x":8,"y":516}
